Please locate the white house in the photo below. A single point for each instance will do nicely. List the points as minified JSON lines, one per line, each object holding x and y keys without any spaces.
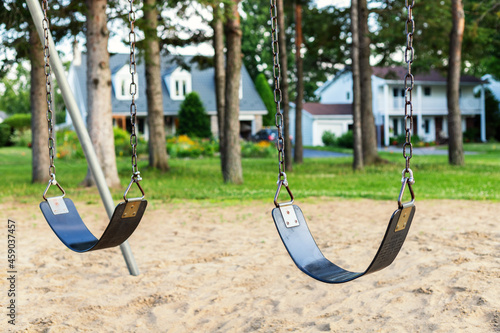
{"x":429,"y":105}
{"x":318,"y":118}
{"x":180,"y":76}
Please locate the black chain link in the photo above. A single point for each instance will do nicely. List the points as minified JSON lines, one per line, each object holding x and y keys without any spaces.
{"x":277,"y":90}
{"x":409,"y":84}
{"x":48,"y":89}
{"x":133,"y":91}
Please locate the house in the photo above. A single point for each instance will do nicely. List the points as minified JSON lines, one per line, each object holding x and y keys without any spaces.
{"x":429,"y":106}
{"x":177,"y":82}
{"x":318,"y":118}
{"x":3,"y":116}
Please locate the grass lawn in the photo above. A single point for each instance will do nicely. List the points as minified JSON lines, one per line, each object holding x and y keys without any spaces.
{"x":200,"y":179}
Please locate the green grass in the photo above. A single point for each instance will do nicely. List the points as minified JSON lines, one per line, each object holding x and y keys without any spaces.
{"x":200,"y":179}
{"x":327,"y":148}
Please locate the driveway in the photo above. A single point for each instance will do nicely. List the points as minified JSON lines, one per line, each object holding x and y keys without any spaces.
{"x":311,"y":153}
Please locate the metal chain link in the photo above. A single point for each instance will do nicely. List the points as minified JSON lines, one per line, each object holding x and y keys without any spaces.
{"x":48,"y":89}
{"x":133,"y":91}
{"x":277,"y":91}
{"x":409,"y":84}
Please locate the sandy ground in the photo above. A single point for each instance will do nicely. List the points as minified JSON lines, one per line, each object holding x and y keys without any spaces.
{"x":219,"y":268}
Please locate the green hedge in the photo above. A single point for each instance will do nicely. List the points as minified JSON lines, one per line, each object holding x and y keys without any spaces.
{"x":20,"y":121}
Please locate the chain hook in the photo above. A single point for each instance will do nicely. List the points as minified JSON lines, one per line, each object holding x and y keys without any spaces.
{"x":135,"y":179}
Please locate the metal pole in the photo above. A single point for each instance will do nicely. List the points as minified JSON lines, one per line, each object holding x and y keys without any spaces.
{"x":81,"y":130}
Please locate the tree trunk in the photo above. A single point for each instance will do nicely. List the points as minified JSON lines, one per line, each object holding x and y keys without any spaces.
{"x":369,"y":135}
{"x":357,"y":163}
{"x":156,"y":120}
{"x":455,"y":148}
{"x":285,"y":101}
{"x":232,"y":171}
{"x":220,"y":75}
{"x":99,"y":119}
{"x":299,"y":150}
{"x":38,"y":100}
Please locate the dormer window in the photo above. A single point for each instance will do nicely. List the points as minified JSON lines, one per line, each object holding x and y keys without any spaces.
{"x":178,"y":83}
{"x":181,"y":88}
{"x":121,"y":84}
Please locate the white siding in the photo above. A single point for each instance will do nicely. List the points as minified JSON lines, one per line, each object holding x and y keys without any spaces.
{"x":338,"y":92}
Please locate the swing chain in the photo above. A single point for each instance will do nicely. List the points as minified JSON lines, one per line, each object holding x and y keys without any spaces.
{"x":133,"y":91}
{"x":48,"y":90}
{"x":280,"y":145}
{"x":409,"y":84}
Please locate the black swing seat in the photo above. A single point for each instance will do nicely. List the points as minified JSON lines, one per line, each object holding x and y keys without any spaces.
{"x":309,"y":259}
{"x":71,"y":230}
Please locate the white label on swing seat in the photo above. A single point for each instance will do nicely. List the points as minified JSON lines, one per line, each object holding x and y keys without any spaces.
{"x":289,"y":216}
{"x":57,"y":205}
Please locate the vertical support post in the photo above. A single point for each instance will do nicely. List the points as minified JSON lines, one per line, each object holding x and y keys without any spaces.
{"x":386,"y":109}
{"x":483,"y":114}
{"x":420,"y":121}
{"x":81,"y":130}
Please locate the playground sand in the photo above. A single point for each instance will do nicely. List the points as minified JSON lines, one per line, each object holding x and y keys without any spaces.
{"x":218,"y":268}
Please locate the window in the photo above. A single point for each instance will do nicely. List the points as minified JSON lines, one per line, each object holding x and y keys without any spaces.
{"x":396,"y":92}
{"x":123,"y":88}
{"x":178,"y":84}
{"x":395,"y":126}
{"x":121,"y":85}
{"x":427,"y":91}
{"x":427,"y":126}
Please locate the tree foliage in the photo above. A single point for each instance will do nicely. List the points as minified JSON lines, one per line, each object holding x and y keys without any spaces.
{"x":492,"y":113}
{"x":266,"y":93}
{"x":193,"y":120}
{"x":16,"y":95}
{"x":481,"y":43}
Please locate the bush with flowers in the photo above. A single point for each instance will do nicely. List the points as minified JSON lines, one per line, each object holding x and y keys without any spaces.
{"x":184,"y":146}
{"x":69,"y":147}
{"x":259,"y":149}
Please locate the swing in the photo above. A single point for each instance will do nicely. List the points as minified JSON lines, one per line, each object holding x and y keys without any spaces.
{"x":60,"y":212}
{"x":290,"y":220}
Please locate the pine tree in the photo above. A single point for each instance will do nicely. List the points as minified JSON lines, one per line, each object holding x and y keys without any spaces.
{"x":193,"y":120}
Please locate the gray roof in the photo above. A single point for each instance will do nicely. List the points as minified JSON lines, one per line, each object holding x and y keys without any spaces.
{"x":203,"y":82}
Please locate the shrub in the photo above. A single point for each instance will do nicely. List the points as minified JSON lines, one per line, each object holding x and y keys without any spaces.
{"x":5,"y":132}
{"x":184,"y":146}
{"x":267,"y":96}
{"x":346,"y":140}
{"x":193,"y":120}
{"x":67,"y":145}
{"x":401,"y":139}
{"x":328,"y":139}
{"x":260,"y":149}
{"x":20,"y":121}
{"x":471,"y":135}
{"x":21,"y":138}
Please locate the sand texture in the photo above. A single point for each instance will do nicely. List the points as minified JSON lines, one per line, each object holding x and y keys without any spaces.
{"x":220,"y":268}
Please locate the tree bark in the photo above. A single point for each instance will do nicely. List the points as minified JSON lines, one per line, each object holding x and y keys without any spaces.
{"x":156,"y":120}
{"x":455,"y":148}
{"x":369,"y":134}
{"x":99,"y":118}
{"x":232,"y":171}
{"x":220,"y":75}
{"x":38,"y":100}
{"x":357,"y":163}
{"x":299,"y":150}
{"x":285,"y":101}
